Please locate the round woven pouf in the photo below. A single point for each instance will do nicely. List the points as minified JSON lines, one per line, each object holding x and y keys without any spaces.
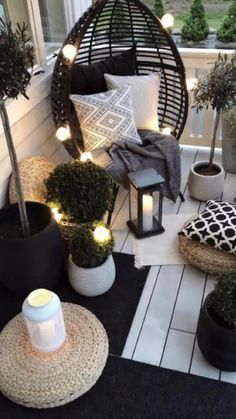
{"x":206,"y":258}
{"x":48,"y":380}
{"x":33,"y":172}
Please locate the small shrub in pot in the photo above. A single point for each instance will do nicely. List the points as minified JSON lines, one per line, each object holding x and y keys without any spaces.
{"x":91,"y":268}
{"x":82,"y":191}
{"x":216,"y":332}
{"x":88,"y":252}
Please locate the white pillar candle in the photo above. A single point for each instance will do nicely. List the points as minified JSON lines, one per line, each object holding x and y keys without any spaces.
{"x":147,"y":212}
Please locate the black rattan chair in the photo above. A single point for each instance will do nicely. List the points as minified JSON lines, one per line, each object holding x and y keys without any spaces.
{"x":107,"y":28}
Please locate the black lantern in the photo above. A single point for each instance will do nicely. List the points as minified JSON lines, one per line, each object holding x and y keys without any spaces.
{"x":145,"y":203}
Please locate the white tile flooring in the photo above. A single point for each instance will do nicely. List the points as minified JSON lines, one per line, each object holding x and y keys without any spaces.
{"x":164,"y":327}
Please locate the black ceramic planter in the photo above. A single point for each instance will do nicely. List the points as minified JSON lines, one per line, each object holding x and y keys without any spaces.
{"x":33,"y":262}
{"x":216,"y":342}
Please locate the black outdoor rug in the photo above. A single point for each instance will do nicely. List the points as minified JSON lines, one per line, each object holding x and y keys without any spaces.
{"x":115,"y":309}
{"x":132,"y":390}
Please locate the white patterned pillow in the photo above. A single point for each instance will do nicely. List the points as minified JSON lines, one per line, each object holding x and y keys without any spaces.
{"x":215,"y":226}
{"x":106,"y":118}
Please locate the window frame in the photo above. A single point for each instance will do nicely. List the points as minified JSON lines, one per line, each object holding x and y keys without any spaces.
{"x":39,"y":88}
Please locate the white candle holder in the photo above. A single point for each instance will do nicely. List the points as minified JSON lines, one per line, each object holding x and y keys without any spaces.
{"x":44,"y":320}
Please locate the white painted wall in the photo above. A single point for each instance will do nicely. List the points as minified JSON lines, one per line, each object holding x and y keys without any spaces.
{"x":33,"y":133}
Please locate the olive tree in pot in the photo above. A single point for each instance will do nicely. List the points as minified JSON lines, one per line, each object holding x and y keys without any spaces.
{"x":216,"y":88}
{"x":91,"y":268}
{"x":216,"y":331}
{"x":31,"y":247}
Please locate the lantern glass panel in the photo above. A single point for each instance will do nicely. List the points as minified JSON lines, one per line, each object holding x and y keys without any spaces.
{"x":133,"y":205}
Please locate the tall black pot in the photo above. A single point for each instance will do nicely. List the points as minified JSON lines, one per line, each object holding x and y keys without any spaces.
{"x":33,"y":262}
{"x":216,"y":342}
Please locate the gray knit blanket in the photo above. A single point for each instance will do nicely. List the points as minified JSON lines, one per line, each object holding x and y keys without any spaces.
{"x":158,"y":151}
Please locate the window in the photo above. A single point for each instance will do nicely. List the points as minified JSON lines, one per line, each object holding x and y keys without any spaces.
{"x":48,"y":21}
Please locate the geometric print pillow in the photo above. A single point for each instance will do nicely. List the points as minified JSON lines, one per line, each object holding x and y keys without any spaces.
{"x":106,"y":118}
{"x":215,"y":226}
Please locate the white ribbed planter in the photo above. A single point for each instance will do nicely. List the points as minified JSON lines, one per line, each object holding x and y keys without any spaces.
{"x":92,"y":281}
{"x":205,"y":187}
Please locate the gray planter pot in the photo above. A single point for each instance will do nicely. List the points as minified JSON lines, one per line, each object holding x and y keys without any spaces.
{"x":205,"y":187}
{"x":228,"y":149}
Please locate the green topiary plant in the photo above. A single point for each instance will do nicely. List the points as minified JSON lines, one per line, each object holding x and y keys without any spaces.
{"x":158,"y":8}
{"x":82,"y":191}
{"x":195,"y":27}
{"x":16,"y":58}
{"x":227,"y":30}
{"x":223,"y":301}
{"x":217,"y":88}
{"x":86,"y":250}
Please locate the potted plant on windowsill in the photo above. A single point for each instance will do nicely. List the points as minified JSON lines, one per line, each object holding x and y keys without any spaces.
{"x":216,"y":331}
{"x":31,"y":247}
{"x":217,"y":89}
{"x":91,"y":268}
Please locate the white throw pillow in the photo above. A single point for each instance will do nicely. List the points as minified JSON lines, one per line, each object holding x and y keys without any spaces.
{"x":106,"y":118}
{"x":145,"y":91}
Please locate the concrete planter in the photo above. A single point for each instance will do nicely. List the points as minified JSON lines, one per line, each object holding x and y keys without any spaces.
{"x":203,"y":187}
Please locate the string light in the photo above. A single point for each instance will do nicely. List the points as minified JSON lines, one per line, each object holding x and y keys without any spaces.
{"x":191,"y":83}
{"x":69,"y":51}
{"x":101,"y":234}
{"x":63,"y":133}
{"x":167,"y":131}
{"x":87,"y":156}
{"x":167,"y":21}
{"x":56,"y":214}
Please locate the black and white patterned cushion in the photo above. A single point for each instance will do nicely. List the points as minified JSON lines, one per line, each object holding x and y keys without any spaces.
{"x":215,"y":226}
{"x":106,"y":118}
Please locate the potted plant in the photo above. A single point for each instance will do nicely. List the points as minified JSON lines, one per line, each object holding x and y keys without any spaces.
{"x":82,"y":191}
{"x":91,"y":268}
{"x":216,"y":331}
{"x":31,"y":246}
{"x":216,"y":88}
{"x":229,"y":140}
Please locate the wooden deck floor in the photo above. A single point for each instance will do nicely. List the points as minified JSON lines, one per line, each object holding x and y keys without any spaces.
{"x":163,"y":332}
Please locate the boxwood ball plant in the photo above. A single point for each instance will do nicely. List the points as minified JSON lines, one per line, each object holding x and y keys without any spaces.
{"x":82,"y":191}
{"x":86,"y":250}
{"x":223,"y":301}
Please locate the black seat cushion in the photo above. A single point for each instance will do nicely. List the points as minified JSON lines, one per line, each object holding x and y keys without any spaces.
{"x":89,"y":79}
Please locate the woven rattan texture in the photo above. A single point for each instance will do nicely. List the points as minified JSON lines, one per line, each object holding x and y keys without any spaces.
{"x":33,"y":171}
{"x":206,"y":258}
{"x":107,"y":28}
{"x":43,"y":381}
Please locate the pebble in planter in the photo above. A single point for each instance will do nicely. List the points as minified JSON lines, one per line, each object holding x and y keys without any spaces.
{"x":216,"y":331}
{"x":91,"y":268}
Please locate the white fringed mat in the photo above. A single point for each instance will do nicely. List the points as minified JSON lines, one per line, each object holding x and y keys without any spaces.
{"x":161,"y":249}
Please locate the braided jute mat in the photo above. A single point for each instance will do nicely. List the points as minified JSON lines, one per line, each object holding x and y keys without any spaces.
{"x":48,"y":380}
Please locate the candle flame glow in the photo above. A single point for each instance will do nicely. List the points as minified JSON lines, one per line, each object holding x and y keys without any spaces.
{"x":56,"y":214}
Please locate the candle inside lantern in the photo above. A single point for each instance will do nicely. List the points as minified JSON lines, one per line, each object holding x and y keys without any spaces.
{"x":101,"y":234}
{"x":44,"y":320}
{"x":56,"y":214}
{"x":147,"y":212}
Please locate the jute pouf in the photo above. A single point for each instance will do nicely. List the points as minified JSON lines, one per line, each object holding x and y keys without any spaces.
{"x":206,"y":258}
{"x":33,"y":172}
{"x":42,"y":380}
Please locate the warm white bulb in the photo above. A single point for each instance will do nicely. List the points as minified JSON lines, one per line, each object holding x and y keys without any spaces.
{"x":87,"y":156}
{"x":167,"y":20}
{"x":101,"y":234}
{"x":167,"y":131}
{"x":56,"y":214}
{"x":69,"y":51}
{"x":63,"y":133}
{"x":191,"y":84}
